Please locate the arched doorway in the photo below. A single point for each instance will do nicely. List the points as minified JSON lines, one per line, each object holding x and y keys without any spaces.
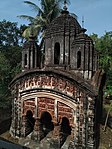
{"x":65,"y":130}
{"x":65,"y":126}
{"x":47,"y":123}
{"x":30,"y":122}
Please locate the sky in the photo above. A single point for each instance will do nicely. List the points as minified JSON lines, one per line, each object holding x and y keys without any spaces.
{"x":97,"y":14}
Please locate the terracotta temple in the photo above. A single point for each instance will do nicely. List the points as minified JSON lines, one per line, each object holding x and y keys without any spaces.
{"x":61,"y":94}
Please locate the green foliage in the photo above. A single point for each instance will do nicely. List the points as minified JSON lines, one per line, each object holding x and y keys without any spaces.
{"x":4,"y":66}
{"x":10,"y":34}
{"x":48,"y":10}
{"x":104,"y":47}
{"x":10,"y":57}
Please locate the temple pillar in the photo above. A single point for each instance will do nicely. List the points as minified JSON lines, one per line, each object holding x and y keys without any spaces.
{"x":23,"y":129}
{"x":55,"y":119}
{"x":91,"y":140}
{"x":38,"y":133}
{"x":35,"y":65}
{"x":31,"y":59}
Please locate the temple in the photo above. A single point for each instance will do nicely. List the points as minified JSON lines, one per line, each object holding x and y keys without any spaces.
{"x":61,"y":94}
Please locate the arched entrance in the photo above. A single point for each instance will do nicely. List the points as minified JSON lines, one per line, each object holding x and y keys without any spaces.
{"x":47,"y":123}
{"x":65,"y":126}
{"x":30,"y":122}
{"x":65,"y":130}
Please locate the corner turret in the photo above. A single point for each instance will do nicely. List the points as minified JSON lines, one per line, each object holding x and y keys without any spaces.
{"x":30,"y":54}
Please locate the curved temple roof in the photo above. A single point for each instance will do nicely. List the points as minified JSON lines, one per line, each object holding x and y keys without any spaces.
{"x":65,"y":22}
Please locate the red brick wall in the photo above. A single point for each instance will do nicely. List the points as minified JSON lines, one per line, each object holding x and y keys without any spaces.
{"x":45,"y":104}
{"x":51,"y":82}
{"x":65,"y":111}
{"x":29,"y":105}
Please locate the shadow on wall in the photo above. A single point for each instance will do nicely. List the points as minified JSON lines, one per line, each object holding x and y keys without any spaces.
{"x":5,"y":120}
{"x":65,"y":130}
{"x":47,"y":123}
{"x":30,"y":122}
{"x":5,"y":125}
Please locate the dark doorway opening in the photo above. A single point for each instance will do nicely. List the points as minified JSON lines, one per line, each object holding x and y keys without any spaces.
{"x":65,"y":130}
{"x":65,"y":126}
{"x":33,"y":58}
{"x":78,"y":59}
{"x":25,"y":60}
{"x":57,"y":53}
{"x":30,"y":122}
{"x":47,"y":123}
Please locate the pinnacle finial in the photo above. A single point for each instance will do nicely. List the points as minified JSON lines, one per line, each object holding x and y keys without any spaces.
{"x":65,"y":5}
{"x":82,"y":21}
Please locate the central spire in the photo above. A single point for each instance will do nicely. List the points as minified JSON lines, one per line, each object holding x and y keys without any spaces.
{"x":65,"y":6}
{"x":64,"y":11}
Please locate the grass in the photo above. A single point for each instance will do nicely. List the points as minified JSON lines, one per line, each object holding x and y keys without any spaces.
{"x":107,"y":107}
{"x":105,"y":138}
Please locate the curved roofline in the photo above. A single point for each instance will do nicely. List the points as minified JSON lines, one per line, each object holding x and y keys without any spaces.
{"x":80,"y":82}
{"x":63,"y":22}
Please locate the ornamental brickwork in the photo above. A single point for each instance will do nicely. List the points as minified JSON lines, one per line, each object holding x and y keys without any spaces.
{"x":60,"y":97}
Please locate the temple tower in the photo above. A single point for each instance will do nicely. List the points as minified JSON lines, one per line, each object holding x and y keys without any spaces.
{"x":62,"y":93}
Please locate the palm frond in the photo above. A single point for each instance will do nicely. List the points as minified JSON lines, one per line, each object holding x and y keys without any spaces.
{"x":44,"y":3}
{"x":44,"y":15}
{"x":40,"y":19}
{"x":42,"y":35}
{"x":30,"y":30}
{"x":50,"y":13}
{"x":54,"y":10}
{"x":26,"y":33}
{"x":35,"y":7}
{"x":29,"y":18}
{"x":38,"y":26}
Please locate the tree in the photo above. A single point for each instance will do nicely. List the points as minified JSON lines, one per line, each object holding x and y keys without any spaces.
{"x":10,"y":56}
{"x":104,"y":47}
{"x":49,"y":10}
{"x":10,"y":34}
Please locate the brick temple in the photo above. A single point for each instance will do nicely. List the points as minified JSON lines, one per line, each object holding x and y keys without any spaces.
{"x":63,"y":95}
